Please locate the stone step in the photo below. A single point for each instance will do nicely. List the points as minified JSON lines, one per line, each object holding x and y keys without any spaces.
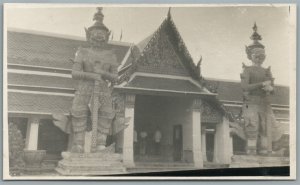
{"x":83,"y":172}
{"x":91,"y":164}
{"x":144,"y":167}
{"x":163,"y":164}
{"x":211,"y":165}
{"x":93,"y":159}
{"x":258,"y":161}
{"x":155,"y":169}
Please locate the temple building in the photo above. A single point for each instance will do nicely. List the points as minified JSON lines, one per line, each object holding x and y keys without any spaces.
{"x":164,"y":89}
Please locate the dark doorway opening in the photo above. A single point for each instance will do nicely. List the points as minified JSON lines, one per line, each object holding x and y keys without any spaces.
{"x":177,"y":142}
{"x":210,"y":144}
{"x":51,"y":139}
{"x":163,"y":113}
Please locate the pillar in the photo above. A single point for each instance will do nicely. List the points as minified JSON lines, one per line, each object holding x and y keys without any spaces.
{"x":203,"y":142}
{"x":230,"y":148}
{"x":32,"y":134}
{"x":128,"y":155}
{"x":196,"y":133}
{"x":88,"y":142}
{"x":222,"y":143}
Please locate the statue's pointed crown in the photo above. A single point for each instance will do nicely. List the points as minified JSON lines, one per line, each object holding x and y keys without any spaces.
{"x":98,"y":18}
{"x":255,"y":44}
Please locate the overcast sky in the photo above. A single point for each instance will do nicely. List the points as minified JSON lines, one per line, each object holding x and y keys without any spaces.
{"x":218,"y":34}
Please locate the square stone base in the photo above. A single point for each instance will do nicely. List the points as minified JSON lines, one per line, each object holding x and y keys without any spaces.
{"x":90,"y":164}
{"x":248,"y":161}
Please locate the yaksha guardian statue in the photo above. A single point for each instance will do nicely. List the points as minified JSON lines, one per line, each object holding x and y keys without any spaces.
{"x":96,"y":69}
{"x":257,"y":84}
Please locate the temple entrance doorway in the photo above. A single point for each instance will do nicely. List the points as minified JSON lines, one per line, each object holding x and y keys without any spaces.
{"x":159,"y":127}
{"x":177,"y":140}
{"x":210,"y":143}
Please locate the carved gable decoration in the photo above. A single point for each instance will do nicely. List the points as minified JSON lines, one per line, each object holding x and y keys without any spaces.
{"x":160,"y":57}
{"x":210,"y":114}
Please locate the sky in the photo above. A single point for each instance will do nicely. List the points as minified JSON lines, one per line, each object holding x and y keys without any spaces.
{"x":218,"y":34}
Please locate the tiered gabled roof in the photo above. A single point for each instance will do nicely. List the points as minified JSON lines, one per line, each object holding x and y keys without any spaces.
{"x":181,"y":48}
{"x":168,"y":39}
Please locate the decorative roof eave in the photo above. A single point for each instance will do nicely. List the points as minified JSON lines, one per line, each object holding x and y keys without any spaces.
{"x":161,"y":92}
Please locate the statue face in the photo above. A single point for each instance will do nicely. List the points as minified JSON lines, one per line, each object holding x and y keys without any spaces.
{"x":98,"y":37}
{"x":258,"y":56}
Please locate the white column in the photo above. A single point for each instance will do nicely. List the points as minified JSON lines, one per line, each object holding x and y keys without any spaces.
{"x":196,"y":133}
{"x":128,"y":155}
{"x":32,"y":134}
{"x":222,"y":143}
{"x":230,"y":147}
{"x":217,"y":143}
{"x":203,"y":141}
{"x":88,"y":142}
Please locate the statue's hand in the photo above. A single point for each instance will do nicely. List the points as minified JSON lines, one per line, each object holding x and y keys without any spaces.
{"x":266,"y":83}
{"x":268,"y":88}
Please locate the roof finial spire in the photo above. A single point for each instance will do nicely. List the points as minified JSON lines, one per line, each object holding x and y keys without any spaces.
{"x":169,"y":12}
{"x":199,"y":65}
{"x":199,"y":62}
{"x":121,"y":35}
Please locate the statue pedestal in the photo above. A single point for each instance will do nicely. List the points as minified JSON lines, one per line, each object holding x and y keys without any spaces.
{"x":102,"y":163}
{"x":248,"y":161}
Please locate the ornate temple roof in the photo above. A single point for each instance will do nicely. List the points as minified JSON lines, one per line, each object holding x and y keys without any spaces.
{"x":38,"y":103}
{"x":39,"y":75}
{"x":166,"y":39}
{"x":49,"y":51}
{"x":167,"y":64}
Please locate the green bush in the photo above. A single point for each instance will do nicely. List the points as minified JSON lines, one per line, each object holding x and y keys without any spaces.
{"x":16,"y":147}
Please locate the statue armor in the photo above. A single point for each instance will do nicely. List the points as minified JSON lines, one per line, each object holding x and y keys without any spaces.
{"x":257,"y":83}
{"x":83,"y":70}
{"x":95,"y":69}
{"x":257,"y":110}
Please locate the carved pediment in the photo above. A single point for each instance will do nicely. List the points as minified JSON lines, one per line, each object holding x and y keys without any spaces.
{"x":160,"y":57}
{"x":210,"y":113}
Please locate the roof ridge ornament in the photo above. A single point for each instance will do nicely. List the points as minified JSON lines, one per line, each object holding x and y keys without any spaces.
{"x":199,"y":62}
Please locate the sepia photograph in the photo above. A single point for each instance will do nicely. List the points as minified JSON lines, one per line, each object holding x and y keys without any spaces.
{"x":137,"y":92}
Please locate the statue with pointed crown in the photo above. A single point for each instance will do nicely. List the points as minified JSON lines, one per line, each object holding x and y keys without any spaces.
{"x":95,"y":69}
{"x":258,"y":84}
{"x":94,"y":108}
